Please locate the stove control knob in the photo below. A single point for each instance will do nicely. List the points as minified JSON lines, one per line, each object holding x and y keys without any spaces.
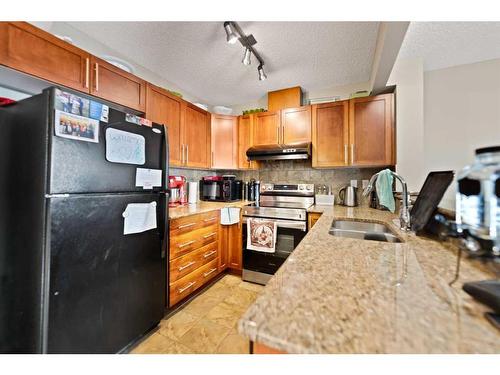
{"x":301,"y":187}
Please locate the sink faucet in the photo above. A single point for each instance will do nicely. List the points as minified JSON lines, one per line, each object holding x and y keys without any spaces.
{"x":404,"y":211}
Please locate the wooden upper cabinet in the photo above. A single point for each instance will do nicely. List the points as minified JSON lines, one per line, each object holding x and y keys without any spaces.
{"x":285,"y":98}
{"x":196,"y":137}
{"x":165,"y":108}
{"x":224,"y":136}
{"x":116,"y":85}
{"x":33,"y":51}
{"x":245,"y":141}
{"x":371,"y":131}
{"x":330,"y":134}
{"x":266,"y":130}
{"x":296,"y":125}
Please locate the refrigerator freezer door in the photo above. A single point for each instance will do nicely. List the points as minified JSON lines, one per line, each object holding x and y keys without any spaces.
{"x":78,"y":166}
{"x":106,"y":288}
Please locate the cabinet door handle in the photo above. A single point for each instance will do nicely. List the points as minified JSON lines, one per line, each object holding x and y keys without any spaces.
{"x":209,"y":235}
{"x":186,"y":266}
{"x":282,"y":134}
{"x":209,"y":254}
{"x":212,"y":159}
{"x":187,"y":154}
{"x":96,"y":77}
{"x":210,"y":219}
{"x":186,"y":243}
{"x":186,"y":225}
{"x":87,"y":72}
{"x":182,"y":153}
{"x":209,"y":272}
{"x":182,"y":290}
{"x":278,"y":133}
{"x":352,"y":153}
{"x":345,"y":154}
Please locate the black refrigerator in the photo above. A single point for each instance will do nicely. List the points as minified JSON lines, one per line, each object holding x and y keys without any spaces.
{"x":83,"y":225}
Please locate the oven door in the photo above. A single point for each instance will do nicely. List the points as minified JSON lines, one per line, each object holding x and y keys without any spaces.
{"x":290,"y":233}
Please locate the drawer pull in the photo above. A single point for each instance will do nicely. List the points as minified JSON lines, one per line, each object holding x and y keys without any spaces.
{"x":186,"y":243}
{"x":210,"y":219}
{"x":186,"y":225}
{"x":209,"y":254}
{"x":209,"y":235}
{"x":186,"y":266}
{"x":209,"y":272}
{"x":182,"y":290}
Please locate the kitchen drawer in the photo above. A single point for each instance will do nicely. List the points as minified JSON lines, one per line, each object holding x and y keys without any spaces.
{"x":185,"y":264}
{"x":183,"y":287}
{"x":190,"y":223}
{"x":187,"y":242}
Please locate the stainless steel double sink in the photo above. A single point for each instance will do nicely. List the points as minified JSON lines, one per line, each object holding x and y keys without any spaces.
{"x":363,"y":230}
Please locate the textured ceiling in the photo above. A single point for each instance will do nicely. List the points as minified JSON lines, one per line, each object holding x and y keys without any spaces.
{"x":196,"y":57}
{"x":445,"y":44}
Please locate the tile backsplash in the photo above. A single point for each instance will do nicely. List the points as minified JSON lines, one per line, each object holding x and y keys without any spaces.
{"x":300,"y":171}
{"x":286,"y":171}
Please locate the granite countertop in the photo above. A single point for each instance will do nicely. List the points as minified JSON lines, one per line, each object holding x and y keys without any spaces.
{"x":343,"y":295}
{"x":200,"y":207}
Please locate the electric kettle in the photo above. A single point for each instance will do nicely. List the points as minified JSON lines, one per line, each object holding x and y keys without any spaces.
{"x":348,"y":196}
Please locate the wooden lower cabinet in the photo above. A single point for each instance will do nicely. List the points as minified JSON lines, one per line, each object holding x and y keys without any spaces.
{"x":264,"y":349}
{"x":231,"y":250}
{"x":194,"y":253}
{"x":183,"y":287}
{"x":312,"y":218}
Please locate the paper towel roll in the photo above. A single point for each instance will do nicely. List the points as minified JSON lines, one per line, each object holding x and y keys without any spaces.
{"x":192,"y":192}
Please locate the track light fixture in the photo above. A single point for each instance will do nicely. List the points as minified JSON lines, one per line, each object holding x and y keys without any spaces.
{"x":234,"y":33}
{"x":246,"y":57}
{"x":231,"y":37}
{"x":262,"y":74}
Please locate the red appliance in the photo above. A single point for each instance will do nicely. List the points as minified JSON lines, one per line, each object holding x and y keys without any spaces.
{"x":177,"y":187}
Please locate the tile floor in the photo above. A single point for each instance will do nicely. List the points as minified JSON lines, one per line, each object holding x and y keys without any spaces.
{"x":207,"y":324}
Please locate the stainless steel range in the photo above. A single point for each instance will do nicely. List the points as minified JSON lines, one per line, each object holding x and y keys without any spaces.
{"x":285,"y":204}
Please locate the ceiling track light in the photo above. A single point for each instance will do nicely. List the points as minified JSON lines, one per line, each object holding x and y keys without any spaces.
{"x":246,"y":57}
{"x":262,"y":74}
{"x":231,"y":37}
{"x":234,"y":33}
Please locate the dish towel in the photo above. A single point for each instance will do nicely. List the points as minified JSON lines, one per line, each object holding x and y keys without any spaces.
{"x":384,"y":189}
{"x":229,"y":215}
{"x":261,"y":235}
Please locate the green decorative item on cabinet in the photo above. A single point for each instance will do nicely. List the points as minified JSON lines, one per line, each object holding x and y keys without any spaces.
{"x":175,"y":93}
{"x":255,"y":110}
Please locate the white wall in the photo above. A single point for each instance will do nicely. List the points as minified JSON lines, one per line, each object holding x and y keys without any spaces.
{"x":462,"y":113}
{"x":443,"y":116}
{"x":12,"y":94}
{"x":408,"y":75}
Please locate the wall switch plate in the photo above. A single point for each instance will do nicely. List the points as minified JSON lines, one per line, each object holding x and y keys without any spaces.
{"x":354,"y":183}
{"x":364,"y":183}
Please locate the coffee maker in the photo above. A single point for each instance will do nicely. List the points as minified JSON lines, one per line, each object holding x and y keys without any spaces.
{"x":178,"y":194}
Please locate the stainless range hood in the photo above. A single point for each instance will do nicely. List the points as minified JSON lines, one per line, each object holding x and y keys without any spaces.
{"x":280,"y":152}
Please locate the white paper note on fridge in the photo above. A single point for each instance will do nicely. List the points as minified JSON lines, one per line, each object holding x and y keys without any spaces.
{"x":139,"y":217}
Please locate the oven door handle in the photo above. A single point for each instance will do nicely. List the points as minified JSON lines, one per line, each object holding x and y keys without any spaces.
{"x":290,"y":224}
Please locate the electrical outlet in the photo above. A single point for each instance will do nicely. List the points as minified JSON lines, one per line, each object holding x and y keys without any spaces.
{"x":354,"y":183}
{"x":364,"y":183}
